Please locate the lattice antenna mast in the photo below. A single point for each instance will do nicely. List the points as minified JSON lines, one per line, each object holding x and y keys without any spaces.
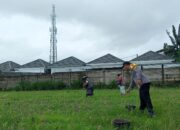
{"x":53,"y":39}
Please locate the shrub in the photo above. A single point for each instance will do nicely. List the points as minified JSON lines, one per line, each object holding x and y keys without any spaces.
{"x":24,"y":85}
{"x":111,"y":85}
{"x":47,"y":85}
{"x":170,"y":84}
{"x":43,"y":85}
{"x":100,"y":85}
{"x":59,"y":85}
{"x":76,"y":84}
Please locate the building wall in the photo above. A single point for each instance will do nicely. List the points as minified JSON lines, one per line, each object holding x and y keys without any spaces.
{"x":96,"y":76}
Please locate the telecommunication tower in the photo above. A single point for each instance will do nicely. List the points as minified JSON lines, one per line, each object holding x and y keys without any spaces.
{"x":53,"y":39}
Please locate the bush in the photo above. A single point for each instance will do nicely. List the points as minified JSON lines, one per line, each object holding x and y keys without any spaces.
{"x":76,"y":84}
{"x":100,"y":85}
{"x":59,"y":85}
{"x":170,"y":84}
{"x":110,"y":85}
{"x":46,"y":85}
{"x":24,"y":85}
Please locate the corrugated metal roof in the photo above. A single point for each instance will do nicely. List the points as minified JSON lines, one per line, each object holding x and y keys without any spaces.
{"x":68,"y":69}
{"x":35,"y":64}
{"x":173,"y":65}
{"x":103,"y":66}
{"x":8,"y":66}
{"x":153,"y":62}
{"x":69,"y":62}
{"x":150,"y":55}
{"x":106,"y":59}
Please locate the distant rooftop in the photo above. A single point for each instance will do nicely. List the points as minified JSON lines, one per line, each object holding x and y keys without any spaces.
{"x":108,"y":58}
{"x":35,"y":64}
{"x":150,"y":55}
{"x":69,"y":62}
{"x":8,"y":66}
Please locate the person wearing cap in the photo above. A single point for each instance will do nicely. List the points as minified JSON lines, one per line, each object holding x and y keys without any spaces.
{"x":139,"y":79}
{"x":88,"y":85}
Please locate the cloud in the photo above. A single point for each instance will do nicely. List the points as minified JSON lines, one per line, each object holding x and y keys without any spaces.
{"x":23,"y":38}
{"x":86,"y":29}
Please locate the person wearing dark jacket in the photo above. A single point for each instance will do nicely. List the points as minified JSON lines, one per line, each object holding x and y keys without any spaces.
{"x":88,"y":86}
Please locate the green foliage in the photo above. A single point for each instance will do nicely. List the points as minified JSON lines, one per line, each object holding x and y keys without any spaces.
{"x":76,"y":84}
{"x":171,"y":84}
{"x":46,"y":85}
{"x":175,"y":39}
{"x":174,"y":49}
{"x":178,"y":56}
{"x":24,"y":85}
{"x":99,"y":85}
{"x":110,"y":85}
{"x":169,"y":50}
{"x":59,"y":85}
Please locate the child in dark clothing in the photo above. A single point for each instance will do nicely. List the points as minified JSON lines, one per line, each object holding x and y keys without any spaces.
{"x":88,"y":85}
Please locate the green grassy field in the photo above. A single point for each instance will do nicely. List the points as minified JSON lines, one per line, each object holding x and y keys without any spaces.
{"x":71,"y":110}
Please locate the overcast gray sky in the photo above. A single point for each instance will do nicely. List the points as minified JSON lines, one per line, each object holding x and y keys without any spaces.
{"x":87,"y":29}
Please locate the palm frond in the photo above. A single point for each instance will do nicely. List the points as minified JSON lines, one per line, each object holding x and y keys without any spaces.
{"x":179,"y":31}
{"x":178,"y":36}
{"x":171,"y":38}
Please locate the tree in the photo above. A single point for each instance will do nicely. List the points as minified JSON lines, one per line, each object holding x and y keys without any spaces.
{"x":176,"y":39}
{"x":169,"y":50}
{"x":174,"y":49}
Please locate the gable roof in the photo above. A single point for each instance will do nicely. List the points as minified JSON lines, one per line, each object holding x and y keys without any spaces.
{"x":108,"y":58}
{"x":150,"y":55}
{"x":69,"y":62}
{"x":35,"y":64}
{"x":8,"y":66}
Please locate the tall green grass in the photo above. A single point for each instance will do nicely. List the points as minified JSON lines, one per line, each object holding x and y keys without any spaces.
{"x":71,"y":110}
{"x":58,"y":85}
{"x":43,"y":85}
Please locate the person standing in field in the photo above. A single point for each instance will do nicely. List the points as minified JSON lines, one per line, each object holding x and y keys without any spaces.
{"x":120,"y":84}
{"x":88,"y":86}
{"x":139,"y":79}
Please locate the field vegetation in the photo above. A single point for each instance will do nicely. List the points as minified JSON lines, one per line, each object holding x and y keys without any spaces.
{"x":72,"y":110}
